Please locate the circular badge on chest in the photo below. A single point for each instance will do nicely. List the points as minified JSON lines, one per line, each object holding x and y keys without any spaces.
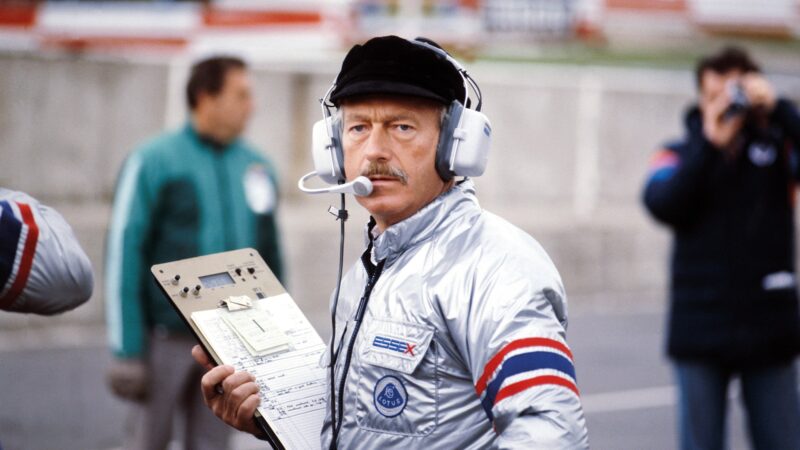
{"x":258,"y":190}
{"x":390,"y":396}
{"x":762,"y":155}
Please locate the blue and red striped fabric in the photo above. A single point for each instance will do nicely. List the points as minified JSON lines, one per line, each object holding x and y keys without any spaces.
{"x":663,"y":165}
{"x":523,"y":364}
{"x":10,"y":230}
{"x":18,"y":239}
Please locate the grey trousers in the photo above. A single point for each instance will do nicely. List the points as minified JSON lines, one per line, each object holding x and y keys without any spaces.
{"x":174,"y":394}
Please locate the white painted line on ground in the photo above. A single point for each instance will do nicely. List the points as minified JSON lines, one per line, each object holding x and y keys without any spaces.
{"x":54,"y":337}
{"x":630,"y":399}
{"x":645,"y":398}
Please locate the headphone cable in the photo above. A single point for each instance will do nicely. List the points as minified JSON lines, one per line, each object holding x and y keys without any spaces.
{"x":342,"y":216}
{"x":475,"y":88}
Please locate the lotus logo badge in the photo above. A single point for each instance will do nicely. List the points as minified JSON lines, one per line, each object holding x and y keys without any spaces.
{"x":390,"y":396}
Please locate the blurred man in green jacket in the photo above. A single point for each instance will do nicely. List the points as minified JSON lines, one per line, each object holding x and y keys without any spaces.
{"x":189,"y":192}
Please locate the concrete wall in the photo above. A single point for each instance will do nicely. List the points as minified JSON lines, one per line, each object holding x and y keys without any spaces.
{"x":570,"y":153}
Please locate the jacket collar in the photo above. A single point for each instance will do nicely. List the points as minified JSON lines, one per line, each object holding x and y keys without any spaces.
{"x":205,"y":140}
{"x":423,"y":225}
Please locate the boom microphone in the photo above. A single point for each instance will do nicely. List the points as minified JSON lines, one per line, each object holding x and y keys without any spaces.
{"x":361,"y":186}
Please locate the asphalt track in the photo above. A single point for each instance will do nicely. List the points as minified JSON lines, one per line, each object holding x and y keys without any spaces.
{"x":52,"y":394}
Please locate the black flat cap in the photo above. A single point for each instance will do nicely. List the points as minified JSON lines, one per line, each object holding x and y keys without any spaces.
{"x":393,"y":65}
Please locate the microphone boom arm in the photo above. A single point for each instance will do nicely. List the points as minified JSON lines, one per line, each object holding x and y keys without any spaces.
{"x":361,"y":186}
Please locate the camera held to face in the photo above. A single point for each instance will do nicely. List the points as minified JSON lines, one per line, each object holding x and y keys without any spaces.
{"x":739,"y":102}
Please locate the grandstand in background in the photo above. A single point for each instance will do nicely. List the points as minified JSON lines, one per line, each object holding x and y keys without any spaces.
{"x":296,"y":28}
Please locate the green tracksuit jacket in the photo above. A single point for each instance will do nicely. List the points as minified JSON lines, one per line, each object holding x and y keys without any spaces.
{"x":178,"y":196}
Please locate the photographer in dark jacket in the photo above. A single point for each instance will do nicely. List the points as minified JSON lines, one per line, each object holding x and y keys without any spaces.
{"x":727,"y":192}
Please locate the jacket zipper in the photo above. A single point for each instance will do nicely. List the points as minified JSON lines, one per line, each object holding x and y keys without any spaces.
{"x":375,"y":273}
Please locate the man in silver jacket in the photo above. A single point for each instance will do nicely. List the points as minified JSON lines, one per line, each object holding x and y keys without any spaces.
{"x":459,"y":317}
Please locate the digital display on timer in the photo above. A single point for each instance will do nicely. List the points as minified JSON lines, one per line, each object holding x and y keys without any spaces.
{"x":217,"y":280}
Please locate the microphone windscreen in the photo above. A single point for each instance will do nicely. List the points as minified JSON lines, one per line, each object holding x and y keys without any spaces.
{"x":362,"y":186}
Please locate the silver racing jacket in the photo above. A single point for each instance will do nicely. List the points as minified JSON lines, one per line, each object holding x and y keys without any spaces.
{"x":43,"y":269}
{"x":462,"y":343}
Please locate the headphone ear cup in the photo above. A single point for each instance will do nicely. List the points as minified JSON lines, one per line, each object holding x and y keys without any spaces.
{"x":464,"y":143}
{"x":326,"y":150}
{"x":444,"y":148}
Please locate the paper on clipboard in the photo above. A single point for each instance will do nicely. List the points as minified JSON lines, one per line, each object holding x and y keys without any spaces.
{"x":257,"y":331}
{"x":291,"y":383}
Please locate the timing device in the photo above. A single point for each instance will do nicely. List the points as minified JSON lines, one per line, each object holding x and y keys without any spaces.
{"x":242,"y":316}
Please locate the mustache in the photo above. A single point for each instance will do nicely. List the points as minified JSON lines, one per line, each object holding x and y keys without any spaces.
{"x":383,"y":169}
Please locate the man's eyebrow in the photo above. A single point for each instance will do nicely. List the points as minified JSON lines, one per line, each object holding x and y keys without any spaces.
{"x":355,"y":117}
{"x":358,"y":117}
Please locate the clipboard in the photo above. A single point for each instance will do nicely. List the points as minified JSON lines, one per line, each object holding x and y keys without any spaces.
{"x":242,"y":316}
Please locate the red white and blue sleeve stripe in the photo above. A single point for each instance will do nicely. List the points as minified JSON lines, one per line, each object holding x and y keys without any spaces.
{"x":525,"y":364}
{"x":663,"y":165}
{"x":19,"y":234}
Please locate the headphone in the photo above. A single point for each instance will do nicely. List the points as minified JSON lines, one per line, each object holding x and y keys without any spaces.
{"x":462,"y":150}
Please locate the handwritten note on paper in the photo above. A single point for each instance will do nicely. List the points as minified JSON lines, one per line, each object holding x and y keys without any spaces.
{"x":292,"y":385}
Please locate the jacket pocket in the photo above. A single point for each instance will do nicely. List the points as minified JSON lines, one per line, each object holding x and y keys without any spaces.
{"x":398,"y":378}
